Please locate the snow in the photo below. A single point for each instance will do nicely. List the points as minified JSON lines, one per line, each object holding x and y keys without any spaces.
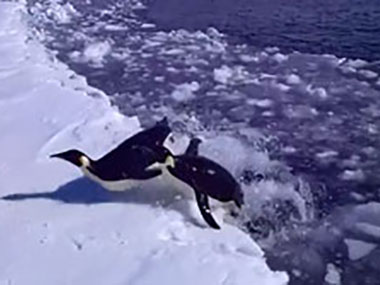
{"x":59,"y":228}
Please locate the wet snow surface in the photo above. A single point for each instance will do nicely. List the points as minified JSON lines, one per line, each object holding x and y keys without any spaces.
{"x":300,"y":131}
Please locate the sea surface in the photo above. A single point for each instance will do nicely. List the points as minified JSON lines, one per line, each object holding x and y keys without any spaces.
{"x":345,"y":28}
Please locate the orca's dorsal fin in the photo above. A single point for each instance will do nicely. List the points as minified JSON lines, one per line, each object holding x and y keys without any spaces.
{"x":193,"y":147}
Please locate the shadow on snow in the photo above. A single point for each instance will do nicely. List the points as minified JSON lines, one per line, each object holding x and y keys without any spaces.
{"x":84,"y":191}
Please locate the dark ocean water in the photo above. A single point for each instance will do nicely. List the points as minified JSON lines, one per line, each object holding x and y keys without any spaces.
{"x":345,"y":28}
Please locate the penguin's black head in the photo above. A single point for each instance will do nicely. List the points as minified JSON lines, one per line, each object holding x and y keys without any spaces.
{"x":163,"y":123}
{"x":74,"y":156}
{"x":193,"y":147}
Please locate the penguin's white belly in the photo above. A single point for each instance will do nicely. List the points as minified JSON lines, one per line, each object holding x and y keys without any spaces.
{"x":120,"y":185}
{"x":166,"y":180}
{"x":177,"y":184}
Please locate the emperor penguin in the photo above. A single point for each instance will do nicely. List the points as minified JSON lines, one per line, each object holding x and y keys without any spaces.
{"x":124,"y":167}
{"x":204,"y":176}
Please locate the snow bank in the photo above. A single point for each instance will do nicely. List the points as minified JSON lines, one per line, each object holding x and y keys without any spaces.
{"x":58,"y":228}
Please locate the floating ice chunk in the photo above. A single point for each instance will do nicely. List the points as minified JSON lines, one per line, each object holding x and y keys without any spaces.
{"x":368,"y":74}
{"x":318,"y":92}
{"x":174,"y":51}
{"x":223,"y":74}
{"x":280,"y":58}
{"x":377,"y":84}
{"x":358,"y":249}
{"x":159,"y":78}
{"x":115,"y":28}
{"x":373,"y":129}
{"x":369,"y":150}
{"x":293,"y":79}
{"x":357,"y":197}
{"x":214,"y":33}
{"x":264,"y":103}
{"x":267,"y":76}
{"x":185,"y":91}
{"x":357,"y":63}
{"x":300,"y":111}
{"x":75,"y":55}
{"x":172,"y":69}
{"x":248,"y":58}
{"x":121,"y":54}
{"x":368,"y":229}
{"x":272,"y":49}
{"x":333,"y":276}
{"x":148,"y":26}
{"x":267,"y":114}
{"x":351,"y":162}
{"x":353,"y":175}
{"x":289,"y":149}
{"x":137,"y":5}
{"x":280,"y":86}
{"x":61,"y":13}
{"x":96,"y":52}
{"x":327,"y":154}
{"x":347,"y":70}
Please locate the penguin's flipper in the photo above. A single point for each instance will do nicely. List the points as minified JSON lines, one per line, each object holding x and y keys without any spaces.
{"x":204,"y":207}
{"x":193,"y":147}
{"x":150,"y":173}
{"x":148,"y":156}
